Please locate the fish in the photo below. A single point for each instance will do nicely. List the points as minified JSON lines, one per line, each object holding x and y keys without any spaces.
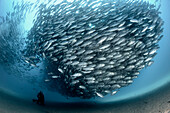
{"x":114,"y":92}
{"x":90,"y":78}
{"x":111,"y":73}
{"x":134,"y":20}
{"x":115,"y":86}
{"x":72,"y":58}
{"x":82,"y":87}
{"x":107,"y":91}
{"x":89,"y":52}
{"x":102,"y":40}
{"x":55,"y":77}
{"x":130,"y":67}
{"x":100,"y":65}
{"x":80,"y":51}
{"x":75,"y":63}
{"x":148,"y":59}
{"x":60,"y":70}
{"x":129,"y":81}
{"x":150,"y":63}
{"x":77,"y":75}
{"x":78,"y":42}
{"x":118,"y":77}
{"x":74,"y":82}
{"x":90,"y":82}
{"x":46,"y":80}
{"x":98,"y":72}
{"x":104,"y":46}
{"x":89,"y":57}
{"x":86,"y":43}
{"x":99,"y":94}
{"x":101,"y":58}
{"x":88,"y":68}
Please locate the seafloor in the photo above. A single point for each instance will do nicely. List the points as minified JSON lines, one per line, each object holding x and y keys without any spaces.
{"x":158,"y":101}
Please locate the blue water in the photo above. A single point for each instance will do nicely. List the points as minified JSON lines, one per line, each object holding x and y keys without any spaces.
{"x":151,"y":78}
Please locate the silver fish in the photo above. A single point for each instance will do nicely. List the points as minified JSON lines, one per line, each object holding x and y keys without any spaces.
{"x":77,"y":75}
{"x":99,"y":94}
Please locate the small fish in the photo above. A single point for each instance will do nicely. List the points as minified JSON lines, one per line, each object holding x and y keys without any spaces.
{"x":74,"y":82}
{"x":114,"y":92}
{"x":88,"y":52}
{"x":101,"y":58}
{"x":78,"y":42}
{"x":47,"y":80}
{"x":145,"y":29}
{"x":116,"y":86}
{"x":72,"y":57}
{"x":27,"y":61}
{"x":129,"y":81}
{"x":118,"y":77}
{"x":60,"y":70}
{"x":127,"y":78}
{"x":89,"y":57}
{"x":75,"y":63}
{"x":111,"y":73}
{"x":81,"y":51}
{"x":102,"y":40}
{"x":90,"y":82}
{"x":86,"y":43}
{"x":113,"y":29}
{"x":77,"y":75}
{"x":90,"y":79}
{"x":90,"y":32}
{"x":88,"y":69}
{"x":153,"y":51}
{"x":55,"y":77}
{"x":134,"y":20}
{"x":148,"y":59}
{"x":107,"y":91}
{"x":82,"y":87}
{"x":104,"y":46}
{"x":100,"y":65}
{"x":150,"y":63}
{"x":130,"y":67}
{"x":49,"y":44}
{"x":99,"y":94}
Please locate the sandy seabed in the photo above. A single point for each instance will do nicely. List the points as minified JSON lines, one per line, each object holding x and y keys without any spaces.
{"x":157,"y":101}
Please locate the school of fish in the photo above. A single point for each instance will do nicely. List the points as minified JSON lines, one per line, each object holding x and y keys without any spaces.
{"x":94,"y":47}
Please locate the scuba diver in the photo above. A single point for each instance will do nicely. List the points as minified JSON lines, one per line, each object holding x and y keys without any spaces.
{"x":40,"y":99}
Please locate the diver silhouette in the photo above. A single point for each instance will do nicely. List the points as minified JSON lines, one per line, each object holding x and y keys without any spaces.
{"x":40,"y":99}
